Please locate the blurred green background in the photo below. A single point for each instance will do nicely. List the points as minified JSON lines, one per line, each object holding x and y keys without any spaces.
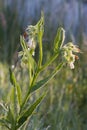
{"x":65,"y":106}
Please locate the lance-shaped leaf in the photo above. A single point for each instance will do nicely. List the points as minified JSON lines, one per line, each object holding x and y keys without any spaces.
{"x":10,"y":116}
{"x":47,"y":79}
{"x":5,"y":122}
{"x":59,"y":39}
{"x":22,"y":41}
{"x":31,"y":60}
{"x":16,"y":85}
{"x":26,"y":114}
{"x":3,"y":107}
{"x":40,"y":25}
{"x":13,"y":102}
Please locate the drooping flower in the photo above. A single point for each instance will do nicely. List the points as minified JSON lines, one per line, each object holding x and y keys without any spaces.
{"x":68,"y":54}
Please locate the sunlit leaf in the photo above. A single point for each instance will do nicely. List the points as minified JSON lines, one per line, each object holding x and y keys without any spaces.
{"x":59,"y":39}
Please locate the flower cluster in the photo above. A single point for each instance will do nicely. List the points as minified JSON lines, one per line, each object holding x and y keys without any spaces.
{"x":31,"y":43}
{"x":68,"y":54}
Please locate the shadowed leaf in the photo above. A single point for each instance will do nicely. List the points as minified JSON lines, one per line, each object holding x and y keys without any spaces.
{"x":29,"y":111}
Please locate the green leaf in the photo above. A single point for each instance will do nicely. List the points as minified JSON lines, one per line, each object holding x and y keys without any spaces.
{"x":3,"y":106}
{"x":43,"y":82}
{"x":10,"y":116}
{"x":23,"y":117}
{"x":16,"y":85}
{"x":31,"y":60}
{"x":13,"y":102}
{"x":27,"y":57}
{"x":5,"y":122}
{"x":40,"y":25}
{"x":23,"y":44}
{"x":59,"y":39}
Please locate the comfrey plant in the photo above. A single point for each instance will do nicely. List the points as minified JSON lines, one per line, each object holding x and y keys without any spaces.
{"x":18,"y":111}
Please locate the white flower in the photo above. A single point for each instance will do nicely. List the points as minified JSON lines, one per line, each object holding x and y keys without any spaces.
{"x":73,"y":47}
{"x":72,"y":65}
{"x":67,"y":54}
{"x":31,"y":43}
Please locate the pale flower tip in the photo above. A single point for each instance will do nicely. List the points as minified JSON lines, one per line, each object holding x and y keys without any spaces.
{"x":12,"y":66}
{"x":33,"y":54}
{"x":72,"y":65}
{"x":28,"y":48}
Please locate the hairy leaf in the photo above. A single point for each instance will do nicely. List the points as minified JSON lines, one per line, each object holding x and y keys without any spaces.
{"x":59,"y":39}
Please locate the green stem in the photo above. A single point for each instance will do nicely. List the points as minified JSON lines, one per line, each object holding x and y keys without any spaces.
{"x":47,"y":79}
{"x":28,"y":93}
{"x":38,"y":71}
{"x":25,"y":100}
{"x":40,"y":51}
{"x":49,"y":62}
{"x":36,"y":75}
{"x":42,"y":68}
{"x":30,"y":74}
